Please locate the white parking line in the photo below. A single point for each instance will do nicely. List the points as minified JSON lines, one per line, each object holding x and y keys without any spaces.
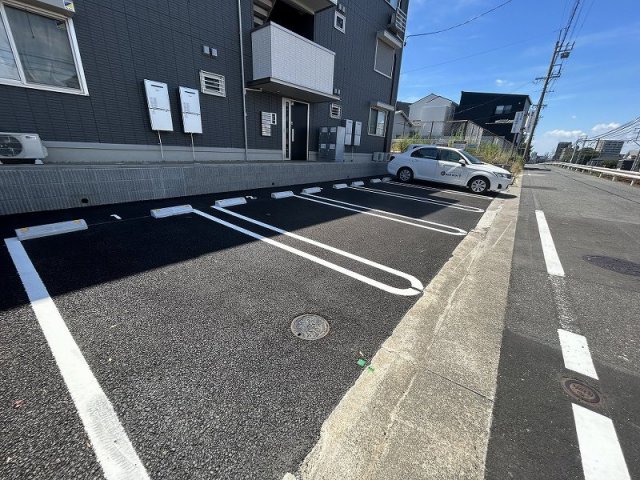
{"x":114,"y":451}
{"x":436,"y":227}
{"x":554,"y":267}
{"x":455,"y":192}
{"x":576,"y":355}
{"x":416,"y":285}
{"x":600,"y":451}
{"x":458,"y":206}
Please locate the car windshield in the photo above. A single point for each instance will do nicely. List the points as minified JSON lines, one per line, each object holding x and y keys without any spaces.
{"x":472,"y":159}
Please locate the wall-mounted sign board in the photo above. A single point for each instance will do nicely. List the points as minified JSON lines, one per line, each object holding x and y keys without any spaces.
{"x":159,"y":106}
{"x":191,"y":116}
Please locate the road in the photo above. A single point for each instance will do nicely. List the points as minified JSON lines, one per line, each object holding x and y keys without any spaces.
{"x":534,"y":432}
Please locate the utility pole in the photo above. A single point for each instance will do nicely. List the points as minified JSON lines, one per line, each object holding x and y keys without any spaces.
{"x":563,"y":51}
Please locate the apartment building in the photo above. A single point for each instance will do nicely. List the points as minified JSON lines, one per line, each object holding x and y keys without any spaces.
{"x":112,"y":82}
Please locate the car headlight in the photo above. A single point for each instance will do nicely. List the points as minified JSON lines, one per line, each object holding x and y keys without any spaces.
{"x":502,"y":175}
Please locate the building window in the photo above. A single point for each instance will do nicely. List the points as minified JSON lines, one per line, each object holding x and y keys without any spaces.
{"x":39,"y":50}
{"x":385,"y":58}
{"x":212,"y":84}
{"x":377,"y":122}
{"x":503,"y":109}
{"x":335,"y":111}
{"x":339,"y":21}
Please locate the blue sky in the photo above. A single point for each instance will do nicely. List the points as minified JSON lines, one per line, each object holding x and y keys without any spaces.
{"x":600,"y":83}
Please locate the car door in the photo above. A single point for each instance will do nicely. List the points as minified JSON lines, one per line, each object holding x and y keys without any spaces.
{"x":425,"y":163}
{"x":449,"y":168}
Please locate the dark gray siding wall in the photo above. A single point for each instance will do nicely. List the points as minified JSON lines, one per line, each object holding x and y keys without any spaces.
{"x":354,"y":74}
{"x":122,"y":43}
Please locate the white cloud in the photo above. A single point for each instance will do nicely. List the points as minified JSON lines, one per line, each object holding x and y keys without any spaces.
{"x":503,"y":83}
{"x":604,"y":127}
{"x":573,"y":117}
{"x":559,"y":133}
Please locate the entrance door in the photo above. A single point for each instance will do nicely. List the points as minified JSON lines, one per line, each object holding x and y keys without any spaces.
{"x":296,"y":130}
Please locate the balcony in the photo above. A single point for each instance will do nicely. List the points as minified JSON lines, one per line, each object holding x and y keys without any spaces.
{"x":290,"y":65}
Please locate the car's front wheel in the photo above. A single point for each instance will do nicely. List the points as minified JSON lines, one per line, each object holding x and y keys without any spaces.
{"x":479,"y":185}
{"x":405,"y":175}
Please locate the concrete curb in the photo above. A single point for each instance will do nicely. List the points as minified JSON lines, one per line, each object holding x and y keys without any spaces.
{"x":425,"y":410}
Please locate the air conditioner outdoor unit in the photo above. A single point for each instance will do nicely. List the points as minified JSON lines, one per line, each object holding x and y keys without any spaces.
{"x":15,"y":147}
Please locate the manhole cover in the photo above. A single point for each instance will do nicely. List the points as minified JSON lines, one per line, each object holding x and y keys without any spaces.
{"x":614,"y":264}
{"x":309,"y":326}
{"x":581,"y":391}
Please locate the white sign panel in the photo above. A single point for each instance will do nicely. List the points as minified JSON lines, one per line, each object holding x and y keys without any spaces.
{"x":159,"y":105}
{"x":357,"y":132}
{"x":348,"y":134}
{"x":517,"y":122}
{"x":191,"y":116}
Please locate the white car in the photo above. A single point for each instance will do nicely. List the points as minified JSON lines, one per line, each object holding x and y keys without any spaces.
{"x":448,"y":165}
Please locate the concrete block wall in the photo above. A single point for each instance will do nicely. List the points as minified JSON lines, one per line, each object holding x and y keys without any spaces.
{"x":32,"y":188}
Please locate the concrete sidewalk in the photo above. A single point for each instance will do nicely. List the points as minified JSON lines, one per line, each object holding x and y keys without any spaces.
{"x":424,"y":409}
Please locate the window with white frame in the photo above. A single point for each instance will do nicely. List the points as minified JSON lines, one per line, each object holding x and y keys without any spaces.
{"x":212,"y":84}
{"x":385,"y":58}
{"x":38,"y":49}
{"x":339,"y":21}
{"x":377,"y":122}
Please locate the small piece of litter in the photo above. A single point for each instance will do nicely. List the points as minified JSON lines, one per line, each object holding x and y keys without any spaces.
{"x":371,"y":369}
{"x":117,"y":217}
{"x":18,"y":403}
{"x":362,"y":362}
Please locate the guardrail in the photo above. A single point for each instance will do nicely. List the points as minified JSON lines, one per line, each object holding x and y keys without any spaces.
{"x":603,"y":172}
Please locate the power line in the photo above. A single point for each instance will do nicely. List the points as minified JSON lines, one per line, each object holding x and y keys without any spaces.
{"x":483,"y":52}
{"x":459,"y":24}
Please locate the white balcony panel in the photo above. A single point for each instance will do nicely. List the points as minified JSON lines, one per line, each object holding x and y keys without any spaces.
{"x":287,"y":63}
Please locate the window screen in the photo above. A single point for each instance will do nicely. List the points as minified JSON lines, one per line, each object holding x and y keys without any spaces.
{"x":385,"y":57}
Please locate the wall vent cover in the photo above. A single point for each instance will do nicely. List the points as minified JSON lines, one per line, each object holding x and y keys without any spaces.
{"x":336,"y":111}
{"x":212,"y":84}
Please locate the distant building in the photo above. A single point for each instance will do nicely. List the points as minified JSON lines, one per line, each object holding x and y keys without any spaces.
{"x":494,"y":112}
{"x":561,"y":149}
{"x":609,"y":148}
{"x":402,"y":125}
{"x":433,"y":115}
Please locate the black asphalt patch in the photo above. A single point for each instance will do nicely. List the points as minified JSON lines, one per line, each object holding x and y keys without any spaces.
{"x":186,"y":325}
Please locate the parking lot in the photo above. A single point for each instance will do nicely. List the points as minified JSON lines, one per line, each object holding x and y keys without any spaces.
{"x":185,"y":324}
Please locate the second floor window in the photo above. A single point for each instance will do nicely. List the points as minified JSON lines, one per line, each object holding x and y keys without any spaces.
{"x":503,"y":109}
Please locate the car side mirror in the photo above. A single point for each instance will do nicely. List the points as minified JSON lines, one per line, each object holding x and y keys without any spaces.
{"x":462,"y":162}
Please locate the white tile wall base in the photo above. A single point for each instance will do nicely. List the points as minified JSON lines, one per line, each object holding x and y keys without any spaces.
{"x":32,"y":188}
{"x":110,"y":153}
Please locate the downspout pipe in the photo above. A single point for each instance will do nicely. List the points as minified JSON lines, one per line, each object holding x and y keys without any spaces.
{"x":244,"y":90}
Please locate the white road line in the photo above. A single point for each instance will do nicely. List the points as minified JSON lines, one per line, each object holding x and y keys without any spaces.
{"x":117,"y":457}
{"x":436,"y":227}
{"x":416,"y":285}
{"x":554,"y":267}
{"x":576,"y":355}
{"x":455,"y":192}
{"x":457,"y":206}
{"x":602,"y":457}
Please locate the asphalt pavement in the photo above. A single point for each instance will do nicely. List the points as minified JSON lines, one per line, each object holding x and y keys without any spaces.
{"x":185,"y":324}
{"x":536,"y":432}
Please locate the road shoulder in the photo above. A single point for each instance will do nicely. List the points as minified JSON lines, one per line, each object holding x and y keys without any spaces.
{"x":424,"y":408}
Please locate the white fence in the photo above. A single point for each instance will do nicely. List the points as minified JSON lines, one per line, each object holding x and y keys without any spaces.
{"x":603,"y":172}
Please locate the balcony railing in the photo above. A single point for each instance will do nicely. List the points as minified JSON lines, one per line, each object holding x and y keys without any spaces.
{"x":291,"y":65}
